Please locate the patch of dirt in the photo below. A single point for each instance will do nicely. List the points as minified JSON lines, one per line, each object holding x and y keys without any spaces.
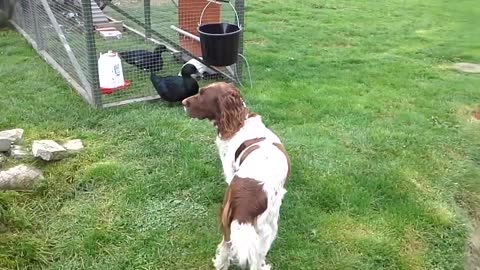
{"x":476,"y":115}
{"x":473,"y":258}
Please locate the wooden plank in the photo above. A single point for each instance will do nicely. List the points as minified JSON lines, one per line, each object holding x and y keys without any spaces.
{"x":188,"y":18}
{"x":97,"y":22}
{"x":117,"y":25}
{"x":148,"y":18}
{"x":130,"y":101}
{"x":97,"y":14}
{"x":68,"y":49}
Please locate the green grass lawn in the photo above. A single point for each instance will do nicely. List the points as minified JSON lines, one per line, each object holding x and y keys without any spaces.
{"x":384,"y":150}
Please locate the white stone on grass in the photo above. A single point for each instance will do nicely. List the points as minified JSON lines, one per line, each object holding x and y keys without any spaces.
{"x":14,"y":135}
{"x":5,"y":144}
{"x":73,"y":146}
{"x":20,"y":177}
{"x":48,"y":150}
{"x":467,"y":67}
{"x":18,"y":152}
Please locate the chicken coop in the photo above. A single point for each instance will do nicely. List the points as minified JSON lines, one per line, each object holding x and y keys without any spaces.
{"x":144,"y":36}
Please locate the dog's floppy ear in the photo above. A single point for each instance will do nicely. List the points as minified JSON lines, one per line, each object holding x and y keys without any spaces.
{"x":232,"y":113}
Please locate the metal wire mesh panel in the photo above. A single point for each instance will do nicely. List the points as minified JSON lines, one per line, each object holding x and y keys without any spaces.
{"x":152,"y":24}
{"x":70,"y":21}
{"x":56,"y":30}
{"x":146,"y":37}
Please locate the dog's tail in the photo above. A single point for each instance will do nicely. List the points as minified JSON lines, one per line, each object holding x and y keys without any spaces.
{"x":243,"y":239}
{"x":244,"y":243}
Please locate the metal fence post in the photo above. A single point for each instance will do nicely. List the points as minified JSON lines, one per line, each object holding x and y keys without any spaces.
{"x":37,"y":27}
{"x":148,"y":19}
{"x":91,"y":51}
{"x":240,"y":7}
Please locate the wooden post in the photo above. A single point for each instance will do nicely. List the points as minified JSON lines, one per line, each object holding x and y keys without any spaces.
{"x":91,"y":53}
{"x":148,"y":18}
{"x":37,"y":27}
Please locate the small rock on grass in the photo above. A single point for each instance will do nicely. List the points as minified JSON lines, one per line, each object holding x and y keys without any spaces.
{"x":18,"y":152}
{"x":14,"y":135}
{"x":48,"y":150}
{"x":5,"y":144}
{"x":20,"y":177}
{"x":467,"y":67}
{"x":73,"y":146}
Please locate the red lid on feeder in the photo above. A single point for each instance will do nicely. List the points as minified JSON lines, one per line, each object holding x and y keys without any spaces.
{"x":108,"y":91}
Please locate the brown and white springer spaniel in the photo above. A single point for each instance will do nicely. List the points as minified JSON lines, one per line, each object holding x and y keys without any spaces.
{"x":256,"y":167}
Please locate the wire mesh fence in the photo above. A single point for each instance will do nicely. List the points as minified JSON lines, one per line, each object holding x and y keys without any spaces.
{"x":149,"y":37}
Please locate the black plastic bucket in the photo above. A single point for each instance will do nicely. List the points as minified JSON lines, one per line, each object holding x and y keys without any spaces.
{"x":219,"y":42}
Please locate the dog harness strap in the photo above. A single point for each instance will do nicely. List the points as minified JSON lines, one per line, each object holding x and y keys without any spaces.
{"x":247,"y":152}
{"x":244,"y":147}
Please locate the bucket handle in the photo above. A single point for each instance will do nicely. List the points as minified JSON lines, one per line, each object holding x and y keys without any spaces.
{"x":218,"y":3}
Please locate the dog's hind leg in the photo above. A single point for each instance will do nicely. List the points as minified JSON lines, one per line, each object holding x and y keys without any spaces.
{"x":221,"y":260}
{"x":268,"y":234}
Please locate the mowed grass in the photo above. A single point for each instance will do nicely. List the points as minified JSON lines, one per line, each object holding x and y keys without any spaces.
{"x":384,"y":150}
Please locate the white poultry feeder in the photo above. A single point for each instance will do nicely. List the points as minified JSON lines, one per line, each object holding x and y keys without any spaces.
{"x":110,"y":73}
